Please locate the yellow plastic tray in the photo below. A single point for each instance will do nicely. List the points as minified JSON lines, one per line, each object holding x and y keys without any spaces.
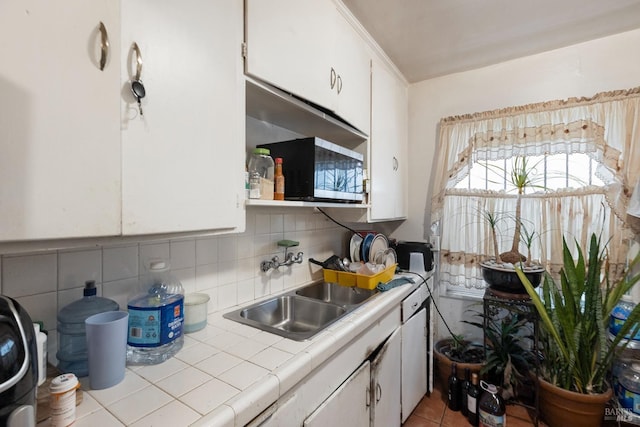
{"x":345,"y":278}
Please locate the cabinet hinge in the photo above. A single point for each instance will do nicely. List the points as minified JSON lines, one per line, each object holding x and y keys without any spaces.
{"x":244,"y":49}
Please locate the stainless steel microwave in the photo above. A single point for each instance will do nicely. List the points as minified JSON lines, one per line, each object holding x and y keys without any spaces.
{"x":319,"y":170}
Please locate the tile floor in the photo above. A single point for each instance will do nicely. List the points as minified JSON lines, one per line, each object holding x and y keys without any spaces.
{"x":432,"y":411}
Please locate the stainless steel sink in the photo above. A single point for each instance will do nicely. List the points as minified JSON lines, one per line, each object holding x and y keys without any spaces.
{"x":300,"y":314}
{"x":336,"y":294}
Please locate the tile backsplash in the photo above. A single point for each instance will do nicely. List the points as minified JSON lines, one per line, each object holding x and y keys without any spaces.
{"x":227,"y":267}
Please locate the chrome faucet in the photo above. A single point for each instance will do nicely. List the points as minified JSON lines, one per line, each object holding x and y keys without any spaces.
{"x":289,"y":257}
{"x":275,"y":263}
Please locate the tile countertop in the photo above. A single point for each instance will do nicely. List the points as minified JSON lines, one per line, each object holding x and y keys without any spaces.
{"x":225,"y":375}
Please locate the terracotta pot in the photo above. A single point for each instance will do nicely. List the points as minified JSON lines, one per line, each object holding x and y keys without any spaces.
{"x":443,"y":365}
{"x":559,"y":407}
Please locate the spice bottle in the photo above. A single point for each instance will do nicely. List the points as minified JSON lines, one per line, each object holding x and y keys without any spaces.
{"x":278,"y":177}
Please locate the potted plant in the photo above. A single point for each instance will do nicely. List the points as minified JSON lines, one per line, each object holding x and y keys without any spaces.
{"x":508,"y":354}
{"x":463,"y":352}
{"x":574,"y":336}
{"x":499,"y":272}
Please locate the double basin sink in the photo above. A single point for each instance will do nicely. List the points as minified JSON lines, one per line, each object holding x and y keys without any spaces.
{"x":302,"y":313}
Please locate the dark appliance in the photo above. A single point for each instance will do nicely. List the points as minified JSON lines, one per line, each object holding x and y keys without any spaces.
{"x":405,"y":249}
{"x":319,"y":170}
{"x":18,"y":365}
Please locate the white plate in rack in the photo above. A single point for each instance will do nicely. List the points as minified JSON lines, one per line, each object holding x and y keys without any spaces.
{"x":378,"y":244}
{"x":354,"y":247}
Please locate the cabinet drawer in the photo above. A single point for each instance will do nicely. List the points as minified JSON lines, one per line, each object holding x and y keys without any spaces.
{"x":412,"y":303}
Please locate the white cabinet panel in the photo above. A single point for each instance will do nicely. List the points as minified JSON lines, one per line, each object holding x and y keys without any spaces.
{"x":414,"y":362}
{"x":349,"y":402}
{"x":59,"y":120}
{"x":322,"y":59}
{"x":385,"y":383}
{"x":389,"y":145}
{"x":182,"y":160}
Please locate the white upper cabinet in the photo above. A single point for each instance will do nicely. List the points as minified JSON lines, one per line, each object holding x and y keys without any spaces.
{"x":183,"y":159}
{"x":59,"y":119}
{"x":388,"y":145}
{"x":308,"y":48}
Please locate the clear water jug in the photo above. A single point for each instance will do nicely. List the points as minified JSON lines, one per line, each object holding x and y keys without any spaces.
{"x":156,"y":316}
{"x":72,"y":341}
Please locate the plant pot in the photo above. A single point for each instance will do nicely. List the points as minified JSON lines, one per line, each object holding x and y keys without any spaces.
{"x":506,"y":279}
{"x":443,"y":364}
{"x":560,"y":407}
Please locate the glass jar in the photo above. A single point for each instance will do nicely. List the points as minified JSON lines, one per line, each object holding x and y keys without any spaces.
{"x":261,"y":171}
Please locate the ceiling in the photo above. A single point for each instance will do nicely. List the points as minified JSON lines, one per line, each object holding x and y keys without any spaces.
{"x":430,"y":38}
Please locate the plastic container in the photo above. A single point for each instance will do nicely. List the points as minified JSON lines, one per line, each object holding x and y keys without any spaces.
{"x":619,"y":316}
{"x":41,"y":341}
{"x":195,"y":312}
{"x":156,"y":315}
{"x":491,"y":409}
{"x":628,"y":391}
{"x":261,"y":174}
{"x":346,"y":278}
{"x":62,"y":400}
{"x":72,"y":341}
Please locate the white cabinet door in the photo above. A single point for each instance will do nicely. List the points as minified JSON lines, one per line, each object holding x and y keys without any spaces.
{"x":309,"y":49}
{"x":353,"y":70}
{"x":385,"y":383}
{"x":290,"y":43}
{"x":414,"y":362}
{"x":389,"y":145}
{"x":183,"y":160}
{"x":349,"y":403}
{"x":59,"y":120}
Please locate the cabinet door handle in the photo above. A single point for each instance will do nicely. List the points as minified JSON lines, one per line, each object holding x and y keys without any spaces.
{"x":136,"y":51}
{"x":367,"y":398}
{"x":395,"y":163}
{"x":104,"y":45}
{"x":332,"y":80}
{"x":339,"y":83}
{"x":378,"y":392}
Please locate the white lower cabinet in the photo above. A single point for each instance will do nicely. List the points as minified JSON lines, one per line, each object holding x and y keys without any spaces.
{"x":385,"y":384}
{"x":351,"y":401}
{"x":414,"y":362}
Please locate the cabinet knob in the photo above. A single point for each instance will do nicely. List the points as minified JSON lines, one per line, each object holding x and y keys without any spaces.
{"x":378,"y":392}
{"x":339,"y":84}
{"x":104,"y":45}
{"x":332,"y":78}
{"x":395,"y":163}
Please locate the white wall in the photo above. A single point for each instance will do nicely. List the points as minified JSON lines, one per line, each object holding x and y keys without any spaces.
{"x":585,"y":69}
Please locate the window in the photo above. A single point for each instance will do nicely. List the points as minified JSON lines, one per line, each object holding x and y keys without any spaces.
{"x":584,"y":151}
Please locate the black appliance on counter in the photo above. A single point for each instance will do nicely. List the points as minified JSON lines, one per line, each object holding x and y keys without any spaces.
{"x":319,"y":170}
{"x":405,"y":249}
{"x":18,"y":365}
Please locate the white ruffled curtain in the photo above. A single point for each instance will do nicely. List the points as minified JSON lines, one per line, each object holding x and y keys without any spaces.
{"x":605,"y":127}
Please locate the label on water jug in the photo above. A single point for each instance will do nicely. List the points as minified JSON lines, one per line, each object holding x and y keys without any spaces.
{"x":490,"y":420}
{"x":155,"y":326}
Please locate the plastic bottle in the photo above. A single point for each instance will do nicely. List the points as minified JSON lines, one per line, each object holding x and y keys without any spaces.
{"x":41,"y":341}
{"x":278,"y":193}
{"x":491,"y":409}
{"x":453,"y":396}
{"x":619,"y":316}
{"x":156,"y":316}
{"x":72,"y":340}
{"x":261,"y":171}
{"x":473,"y":395}
{"x":464,"y":389}
{"x":629,"y":397}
